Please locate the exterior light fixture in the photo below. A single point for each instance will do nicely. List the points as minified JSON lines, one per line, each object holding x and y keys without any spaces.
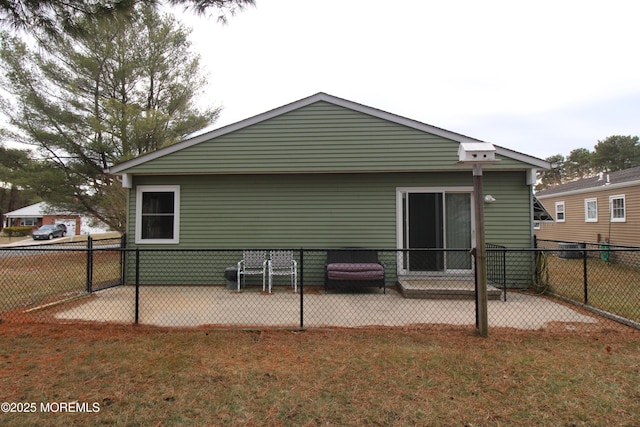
{"x":488,"y":199}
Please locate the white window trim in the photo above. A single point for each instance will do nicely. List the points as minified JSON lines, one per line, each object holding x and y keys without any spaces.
{"x":564,"y":212}
{"x":176,"y":217}
{"x":24,"y":222}
{"x":586,"y":210}
{"x":624,"y":202}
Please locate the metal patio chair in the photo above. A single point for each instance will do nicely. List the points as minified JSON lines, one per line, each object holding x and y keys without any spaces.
{"x":282,"y":263}
{"x":252,"y":263}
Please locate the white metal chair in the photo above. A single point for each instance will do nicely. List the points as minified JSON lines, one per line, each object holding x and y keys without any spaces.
{"x":282,"y":263}
{"x":252,"y":263}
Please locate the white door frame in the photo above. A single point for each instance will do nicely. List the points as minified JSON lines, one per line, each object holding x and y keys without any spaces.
{"x":401,"y":270}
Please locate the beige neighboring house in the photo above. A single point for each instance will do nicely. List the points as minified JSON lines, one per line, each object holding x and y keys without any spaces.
{"x":593,"y":210}
{"x":41,"y":213}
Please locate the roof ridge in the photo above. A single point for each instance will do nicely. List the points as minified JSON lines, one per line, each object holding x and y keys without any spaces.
{"x":598,"y":180}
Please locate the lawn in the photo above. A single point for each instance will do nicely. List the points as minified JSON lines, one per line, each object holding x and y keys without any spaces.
{"x":4,"y":240}
{"x":141,"y":376}
{"x":611,"y":287}
{"x":33,"y":279}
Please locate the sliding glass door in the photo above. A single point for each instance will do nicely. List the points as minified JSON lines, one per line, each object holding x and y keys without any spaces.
{"x":433,"y":219}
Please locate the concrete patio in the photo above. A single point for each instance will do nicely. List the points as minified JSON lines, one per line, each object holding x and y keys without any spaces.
{"x":189,"y":306}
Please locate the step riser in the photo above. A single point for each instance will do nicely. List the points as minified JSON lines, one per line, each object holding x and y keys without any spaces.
{"x":435,"y":294}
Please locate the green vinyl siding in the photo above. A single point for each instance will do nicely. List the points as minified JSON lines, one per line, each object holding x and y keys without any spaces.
{"x":320,"y":137}
{"x":508,"y":221}
{"x":325,"y":210}
{"x":318,"y":211}
{"x":319,"y":176}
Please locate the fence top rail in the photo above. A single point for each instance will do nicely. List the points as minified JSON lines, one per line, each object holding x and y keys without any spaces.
{"x":610,"y":245}
{"x":609,"y":249}
{"x":25,"y":249}
{"x":308,"y":250}
{"x":78,"y":243}
{"x":491,"y":249}
{"x":103,"y":247}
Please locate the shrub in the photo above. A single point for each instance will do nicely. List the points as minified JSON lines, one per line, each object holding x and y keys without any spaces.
{"x":17,"y":231}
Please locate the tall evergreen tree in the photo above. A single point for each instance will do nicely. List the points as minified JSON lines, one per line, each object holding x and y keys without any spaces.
{"x":553,"y":176}
{"x":616,"y":152}
{"x":579,"y":164}
{"x":88,"y":102}
{"x":52,"y":19}
{"x":15,"y":168}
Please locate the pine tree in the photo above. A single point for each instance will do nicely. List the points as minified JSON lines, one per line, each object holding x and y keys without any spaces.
{"x":91,"y":100}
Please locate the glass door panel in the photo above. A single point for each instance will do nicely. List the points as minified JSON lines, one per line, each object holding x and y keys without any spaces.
{"x":436,"y":220}
{"x":425,"y":231}
{"x":458,"y":220}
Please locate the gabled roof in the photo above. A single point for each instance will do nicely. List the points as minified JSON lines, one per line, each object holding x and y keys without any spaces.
{"x":120,"y":168}
{"x":601,"y":181}
{"x":34,"y":211}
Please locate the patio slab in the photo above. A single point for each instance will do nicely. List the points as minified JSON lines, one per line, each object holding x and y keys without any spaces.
{"x":190,"y":306}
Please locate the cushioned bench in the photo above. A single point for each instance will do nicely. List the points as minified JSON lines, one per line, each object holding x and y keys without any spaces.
{"x":353,"y":268}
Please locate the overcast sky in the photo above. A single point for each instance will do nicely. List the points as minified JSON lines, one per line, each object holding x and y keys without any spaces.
{"x":541,"y":77}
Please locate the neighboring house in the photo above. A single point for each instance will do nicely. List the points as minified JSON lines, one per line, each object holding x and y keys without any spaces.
{"x":593,"y":210}
{"x":324,"y":172}
{"x":41,"y":213}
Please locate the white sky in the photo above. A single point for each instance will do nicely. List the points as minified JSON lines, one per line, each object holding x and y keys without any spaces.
{"x":541,"y":77}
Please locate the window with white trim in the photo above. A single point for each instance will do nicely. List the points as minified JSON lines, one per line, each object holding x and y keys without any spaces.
{"x":560,"y":211}
{"x":617,"y":208}
{"x":591,"y":210}
{"x":157,"y":213}
{"x":28,"y":221}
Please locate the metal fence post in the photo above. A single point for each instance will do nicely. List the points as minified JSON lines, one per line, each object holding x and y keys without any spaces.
{"x":137,"y":315}
{"x":504,"y":272}
{"x":584,"y":274}
{"x":123,"y":254}
{"x":89,"y":264}
{"x":475,"y":282}
{"x":301,"y":288}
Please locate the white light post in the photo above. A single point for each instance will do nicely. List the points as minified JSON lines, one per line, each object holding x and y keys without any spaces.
{"x":478,"y":154}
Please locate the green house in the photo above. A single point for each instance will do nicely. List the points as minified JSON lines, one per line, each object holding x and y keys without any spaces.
{"x":325,"y":172}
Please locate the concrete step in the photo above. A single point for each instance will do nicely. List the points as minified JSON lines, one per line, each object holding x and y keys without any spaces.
{"x":443,"y":289}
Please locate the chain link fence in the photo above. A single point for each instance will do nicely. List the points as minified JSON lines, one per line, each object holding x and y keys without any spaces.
{"x":602,"y":278}
{"x":34,"y":278}
{"x":101,"y":281}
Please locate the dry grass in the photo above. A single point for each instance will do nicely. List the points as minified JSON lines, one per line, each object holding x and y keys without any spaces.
{"x":146,"y":376}
{"x":33,"y":279}
{"x":388,"y":377}
{"x":6,"y":240}
{"x":611,"y":287}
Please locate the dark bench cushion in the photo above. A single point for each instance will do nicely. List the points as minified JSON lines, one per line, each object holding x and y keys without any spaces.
{"x":354,"y":268}
{"x":355,"y":271}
